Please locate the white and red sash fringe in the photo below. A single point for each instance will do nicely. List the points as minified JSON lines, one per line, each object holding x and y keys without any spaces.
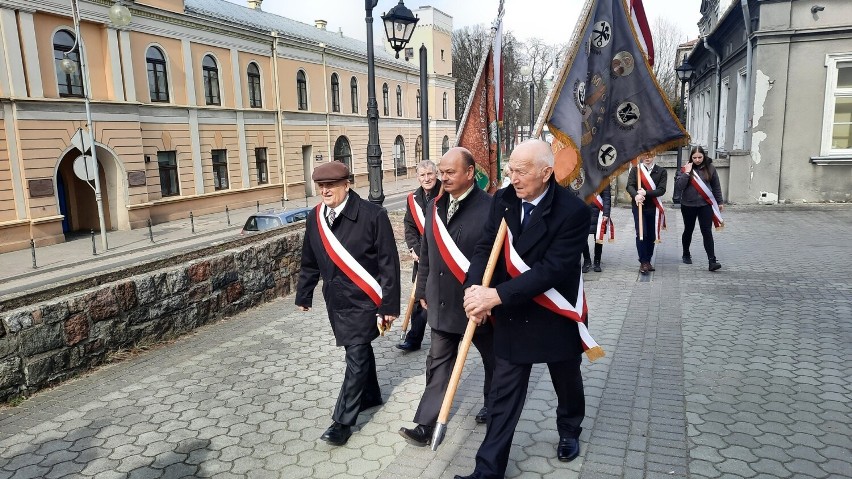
{"x":346,"y":262}
{"x":600,"y":231}
{"x":660,"y":216}
{"x":705,"y":193}
{"x":555,"y":302}
{"x":417,"y":213}
{"x":450,"y":252}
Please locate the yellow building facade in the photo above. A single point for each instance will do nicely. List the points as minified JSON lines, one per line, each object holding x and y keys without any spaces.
{"x":197,"y":104}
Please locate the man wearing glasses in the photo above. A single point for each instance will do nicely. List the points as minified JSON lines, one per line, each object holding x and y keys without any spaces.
{"x":350,"y":244}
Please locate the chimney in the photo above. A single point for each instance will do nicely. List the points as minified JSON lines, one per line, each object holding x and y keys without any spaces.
{"x":320,"y":24}
{"x":254,"y":4}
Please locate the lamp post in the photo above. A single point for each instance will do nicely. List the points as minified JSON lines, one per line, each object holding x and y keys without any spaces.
{"x":119,"y":15}
{"x":399,"y":25}
{"x":526,"y":70}
{"x":684,"y":74}
{"x":424,"y":104}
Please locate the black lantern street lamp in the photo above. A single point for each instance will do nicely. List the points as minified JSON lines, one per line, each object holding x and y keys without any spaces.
{"x":399,"y":25}
{"x":684,"y":74}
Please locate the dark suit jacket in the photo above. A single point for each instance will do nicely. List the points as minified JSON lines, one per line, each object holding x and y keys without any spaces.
{"x":659,"y":175}
{"x":365,"y":231}
{"x":412,"y":234}
{"x":435,"y":282}
{"x":552,"y":244}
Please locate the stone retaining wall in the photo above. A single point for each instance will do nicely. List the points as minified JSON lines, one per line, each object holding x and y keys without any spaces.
{"x":50,"y":340}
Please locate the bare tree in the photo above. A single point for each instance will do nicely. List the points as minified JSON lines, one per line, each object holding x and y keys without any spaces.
{"x":469,"y":44}
{"x":667,"y":36}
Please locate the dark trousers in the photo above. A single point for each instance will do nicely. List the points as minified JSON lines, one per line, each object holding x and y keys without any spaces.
{"x":439,"y":367}
{"x":417,"y":326}
{"x":508,"y":393}
{"x":360,"y":383}
{"x":598,"y":250}
{"x":645,"y":247}
{"x":704,"y":214}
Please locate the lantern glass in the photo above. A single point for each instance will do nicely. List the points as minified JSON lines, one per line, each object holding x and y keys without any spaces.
{"x":119,"y":15}
{"x":68,"y":66}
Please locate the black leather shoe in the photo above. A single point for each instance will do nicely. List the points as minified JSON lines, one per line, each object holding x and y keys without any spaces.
{"x":568,"y":449}
{"x":597,"y":267}
{"x":481,"y":416}
{"x":687,"y":259}
{"x":475,"y":475}
{"x":337,"y":434}
{"x":714,"y":265}
{"x":419,"y":436}
{"x":587,"y":265}
{"x":407,"y":346}
{"x":369,"y":403}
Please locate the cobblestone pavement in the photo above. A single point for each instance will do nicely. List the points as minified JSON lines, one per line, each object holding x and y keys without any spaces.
{"x":739,"y":373}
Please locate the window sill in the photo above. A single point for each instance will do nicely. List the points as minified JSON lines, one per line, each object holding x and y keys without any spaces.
{"x":839,"y":160}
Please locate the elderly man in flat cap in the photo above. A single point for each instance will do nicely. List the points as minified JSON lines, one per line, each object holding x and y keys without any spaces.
{"x":350,"y":244}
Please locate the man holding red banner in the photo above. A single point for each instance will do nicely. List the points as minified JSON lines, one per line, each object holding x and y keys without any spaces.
{"x":414,"y":221}
{"x":453,"y":228}
{"x":537,"y":301}
{"x":350,"y":244}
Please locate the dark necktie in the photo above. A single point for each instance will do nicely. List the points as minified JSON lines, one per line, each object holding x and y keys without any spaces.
{"x":331,"y":216}
{"x":528,"y":207}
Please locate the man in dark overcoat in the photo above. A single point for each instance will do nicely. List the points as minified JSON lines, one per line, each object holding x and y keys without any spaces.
{"x":460,"y":210}
{"x":350,"y":244}
{"x":415,"y":210}
{"x":548,"y":227}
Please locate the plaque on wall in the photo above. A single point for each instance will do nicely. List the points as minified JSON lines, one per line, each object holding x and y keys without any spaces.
{"x":41,"y":188}
{"x":136,"y":178}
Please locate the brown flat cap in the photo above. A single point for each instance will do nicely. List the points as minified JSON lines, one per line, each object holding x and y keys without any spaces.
{"x":330,"y":172}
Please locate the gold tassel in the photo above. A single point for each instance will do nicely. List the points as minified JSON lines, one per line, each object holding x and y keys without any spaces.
{"x":597,"y":241}
{"x":611,"y":240}
{"x":658,"y":241}
{"x":595,"y":353}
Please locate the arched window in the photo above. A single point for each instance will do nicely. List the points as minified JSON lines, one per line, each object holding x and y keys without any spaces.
{"x":446,"y":104}
{"x":211,"y":80}
{"x":398,"y":100}
{"x":335,"y":93}
{"x":399,"y":155}
{"x":353,"y":87}
{"x":158,"y":79}
{"x":385,"y":98}
{"x":445,"y":145}
{"x":418,"y":103}
{"x":253,"y":73}
{"x":302,"y":90}
{"x":343,"y":154}
{"x":70,"y":84}
{"x":418,"y":149}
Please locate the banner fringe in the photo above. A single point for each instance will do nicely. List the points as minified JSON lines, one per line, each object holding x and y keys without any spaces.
{"x":595,"y":353}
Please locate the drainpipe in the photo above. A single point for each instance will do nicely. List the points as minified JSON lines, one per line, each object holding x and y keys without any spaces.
{"x":278,"y":129}
{"x":327,"y":114}
{"x":714,"y":147}
{"x":749,"y":53}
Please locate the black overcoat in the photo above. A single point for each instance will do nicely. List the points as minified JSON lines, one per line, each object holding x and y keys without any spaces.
{"x":412,"y":234}
{"x":435,"y":282}
{"x":606,"y":198}
{"x":552,"y":244}
{"x":365,"y":231}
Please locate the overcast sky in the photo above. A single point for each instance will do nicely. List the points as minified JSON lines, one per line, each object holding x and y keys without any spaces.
{"x":550,"y":20}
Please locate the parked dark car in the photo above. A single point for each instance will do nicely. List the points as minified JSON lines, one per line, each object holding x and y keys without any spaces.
{"x":266,"y":220}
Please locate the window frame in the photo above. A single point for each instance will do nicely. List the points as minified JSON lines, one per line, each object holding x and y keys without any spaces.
{"x":343,"y":153}
{"x":157,"y":63}
{"x":261,"y":161}
{"x":418,"y":103}
{"x":209,"y":74}
{"x":398,"y":101}
{"x":171,"y":170}
{"x":353,"y":91}
{"x":445,"y":145}
{"x":219,"y":168}
{"x":254,"y":85}
{"x":832,"y":94}
{"x":446,"y":106}
{"x":386,"y":98}
{"x":302,"y":90}
{"x":335,"y":93}
{"x":74,"y":55}
{"x":399,"y":163}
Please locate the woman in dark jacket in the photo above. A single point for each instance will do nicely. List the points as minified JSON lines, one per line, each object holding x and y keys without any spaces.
{"x":606,"y":200}
{"x":693,"y":204}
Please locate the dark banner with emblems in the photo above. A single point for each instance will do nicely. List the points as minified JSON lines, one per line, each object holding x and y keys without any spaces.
{"x":607,"y":108}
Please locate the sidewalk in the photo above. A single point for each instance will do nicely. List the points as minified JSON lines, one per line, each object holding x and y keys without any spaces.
{"x":74,"y":258}
{"x":739,"y":373}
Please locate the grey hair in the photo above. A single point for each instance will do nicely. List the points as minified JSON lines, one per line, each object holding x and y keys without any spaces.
{"x":542,"y":152}
{"x":427,"y":165}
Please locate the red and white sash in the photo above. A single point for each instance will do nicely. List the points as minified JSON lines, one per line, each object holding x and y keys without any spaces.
{"x":660,"y":217}
{"x":554,"y":301}
{"x":450,"y":252}
{"x":344,"y":260}
{"x":600,"y":231}
{"x":707,"y":194}
{"x":417,"y":213}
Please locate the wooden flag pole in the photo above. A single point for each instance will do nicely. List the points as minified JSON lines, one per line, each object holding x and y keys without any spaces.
{"x":407,"y":318}
{"x":639,"y":185}
{"x":444,"y":415}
